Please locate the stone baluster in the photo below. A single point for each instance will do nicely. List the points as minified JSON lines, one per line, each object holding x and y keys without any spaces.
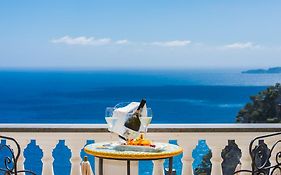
{"x":188,"y":146}
{"x":158,"y":165}
{"x":216,"y":146}
{"x":216,"y":161}
{"x":246,"y":158}
{"x":75,"y":146}
{"x":23,"y":144}
{"x":47,"y":146}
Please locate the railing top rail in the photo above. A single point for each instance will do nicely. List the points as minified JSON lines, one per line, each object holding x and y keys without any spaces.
{"x":152,"y":128}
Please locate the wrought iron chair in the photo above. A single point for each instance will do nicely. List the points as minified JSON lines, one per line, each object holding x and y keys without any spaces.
{"x":10,"y":162}
{"x":261,"y":154}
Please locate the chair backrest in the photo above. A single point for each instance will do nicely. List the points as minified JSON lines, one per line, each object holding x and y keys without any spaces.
{"x":11,"y":160}
{"x":261,"y":155}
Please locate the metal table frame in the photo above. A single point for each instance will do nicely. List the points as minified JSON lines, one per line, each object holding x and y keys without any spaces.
{"x":170,"y":171}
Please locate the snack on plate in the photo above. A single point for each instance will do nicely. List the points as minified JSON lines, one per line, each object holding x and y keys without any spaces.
{"x":140,"y":141}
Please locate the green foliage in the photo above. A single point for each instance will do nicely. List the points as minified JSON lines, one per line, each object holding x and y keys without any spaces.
{"x":264,"y":108}
{"x":205,"y":167}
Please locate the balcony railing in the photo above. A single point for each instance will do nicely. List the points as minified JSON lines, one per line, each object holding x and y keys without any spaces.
{"x":58,"y":148}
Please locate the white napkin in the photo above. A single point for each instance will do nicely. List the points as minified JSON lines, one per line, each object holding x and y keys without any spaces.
{"x":122,"y":114}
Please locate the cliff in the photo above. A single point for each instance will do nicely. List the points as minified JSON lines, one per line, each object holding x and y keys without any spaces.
{"x":273,"y":70}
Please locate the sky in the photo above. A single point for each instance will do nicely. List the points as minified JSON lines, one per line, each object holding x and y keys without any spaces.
{"x":144,"y":34}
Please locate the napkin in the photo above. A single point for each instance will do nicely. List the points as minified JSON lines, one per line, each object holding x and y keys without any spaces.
{"x":121,"y":115}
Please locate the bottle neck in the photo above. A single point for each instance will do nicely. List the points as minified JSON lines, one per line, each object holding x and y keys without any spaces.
{"x":142,"y":103}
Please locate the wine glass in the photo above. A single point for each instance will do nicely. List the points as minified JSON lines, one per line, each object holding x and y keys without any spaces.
{"x":121,"y":104}
{"x":108,"y":117}
{"x":145,"y":121}
{"x":110,"y":122}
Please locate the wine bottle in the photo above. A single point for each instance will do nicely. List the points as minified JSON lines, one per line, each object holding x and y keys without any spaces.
{"x":134,"y":122}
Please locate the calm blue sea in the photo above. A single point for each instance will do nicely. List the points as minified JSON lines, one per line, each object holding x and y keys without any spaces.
{"x":185,"y":96}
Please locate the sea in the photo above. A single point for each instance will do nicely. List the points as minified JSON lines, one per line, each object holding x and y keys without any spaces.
{"x":81,"y":96}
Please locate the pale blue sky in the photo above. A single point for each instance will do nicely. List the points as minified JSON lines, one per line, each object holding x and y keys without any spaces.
{"x":140,"y":34}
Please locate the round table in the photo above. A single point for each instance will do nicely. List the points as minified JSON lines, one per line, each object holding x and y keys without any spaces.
{"x":100,"y":151}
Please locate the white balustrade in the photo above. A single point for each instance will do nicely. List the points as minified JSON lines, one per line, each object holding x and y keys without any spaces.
{"x":75,"y":146}
{"x":188,"y":145}
{"x":158,"y":167}
{"x":23,"y":144}
{"x":47,"y":145}
{"x":216,"y":154}
{"x":187,"y":136}
{"x":246,"y":158}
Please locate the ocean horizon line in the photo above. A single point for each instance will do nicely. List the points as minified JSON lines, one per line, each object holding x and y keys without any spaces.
{"x":82,"y":69}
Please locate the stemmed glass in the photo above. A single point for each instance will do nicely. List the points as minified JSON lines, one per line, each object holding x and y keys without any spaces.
{"x":145,"y":121}
{"x":108,"y":117}
{"x":110,"y":120}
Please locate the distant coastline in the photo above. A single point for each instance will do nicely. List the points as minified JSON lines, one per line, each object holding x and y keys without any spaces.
{"x":272,"y":70}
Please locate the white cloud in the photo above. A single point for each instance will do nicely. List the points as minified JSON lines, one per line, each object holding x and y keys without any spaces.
{"x":240,"y":45}
{"x":174,"y":43}
{"x":120,"y":42}
{"x":82,"y":40}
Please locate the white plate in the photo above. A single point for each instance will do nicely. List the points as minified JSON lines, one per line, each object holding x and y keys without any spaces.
{"x":158,"y":148}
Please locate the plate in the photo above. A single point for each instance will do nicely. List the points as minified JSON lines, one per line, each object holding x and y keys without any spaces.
{"x":158,"y":148}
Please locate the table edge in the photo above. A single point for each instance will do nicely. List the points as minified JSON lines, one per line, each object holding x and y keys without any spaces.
{"x":132,"y":157}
